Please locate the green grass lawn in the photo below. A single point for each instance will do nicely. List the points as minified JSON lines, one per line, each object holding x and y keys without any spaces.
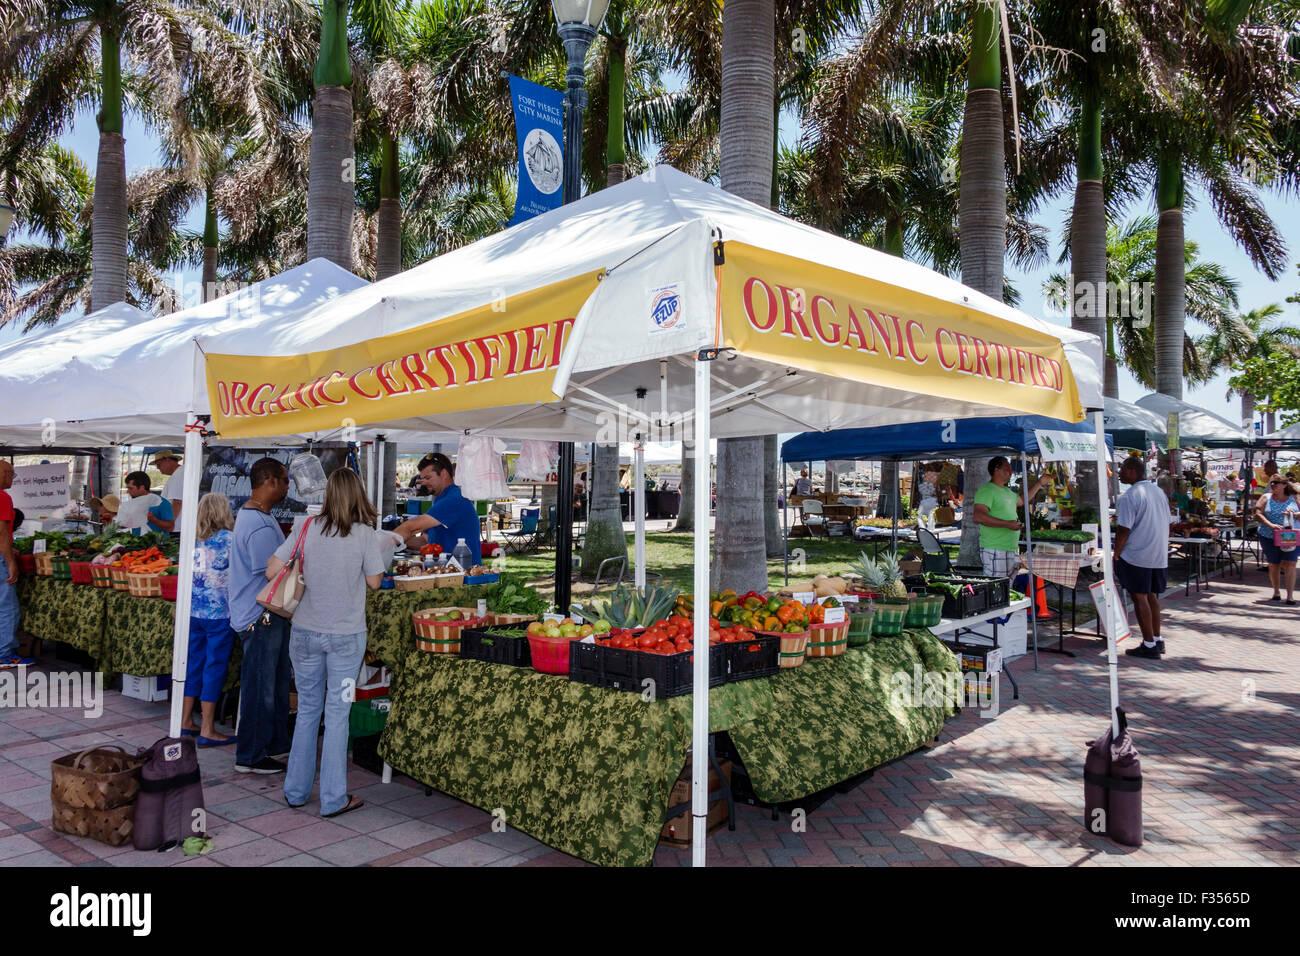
{"x":672,"y":555}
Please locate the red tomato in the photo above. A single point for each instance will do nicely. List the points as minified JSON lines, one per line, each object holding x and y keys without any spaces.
{"x":648,"y":639}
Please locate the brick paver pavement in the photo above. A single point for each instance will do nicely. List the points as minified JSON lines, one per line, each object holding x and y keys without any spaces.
{"x":1215,"y":722}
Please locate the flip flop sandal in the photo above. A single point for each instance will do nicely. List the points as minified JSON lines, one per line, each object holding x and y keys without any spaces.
{"x":209,"y":742}
{"x":354,"y":803}
{"x":189,"y":733}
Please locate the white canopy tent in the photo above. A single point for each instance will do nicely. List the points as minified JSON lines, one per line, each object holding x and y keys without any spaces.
{"x":1193,"y":422}
{"x":662,"y":308}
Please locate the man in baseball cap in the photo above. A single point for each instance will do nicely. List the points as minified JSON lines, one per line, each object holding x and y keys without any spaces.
{"x":169,"y":463}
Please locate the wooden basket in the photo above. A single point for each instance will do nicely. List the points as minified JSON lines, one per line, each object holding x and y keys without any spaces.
{"x":828,"y":640}
{"x":794,"y":647}
{"x":114,"y":827}
{"x":101,"y":576}
{"x":80,"y":572}
{"x":144,"y":585}
{"x":429,"y":583}
{"x":45,"y":565}
{"x":99,"y":778}
{"x":442,"y":637}
{"x":498,"y":620}
{"x":120,"y":582}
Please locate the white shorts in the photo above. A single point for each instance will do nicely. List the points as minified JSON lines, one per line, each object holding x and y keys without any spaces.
{"x":1000,"y":564}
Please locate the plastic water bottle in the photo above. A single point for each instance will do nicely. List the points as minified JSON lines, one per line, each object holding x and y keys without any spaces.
{"x":461,"y":554}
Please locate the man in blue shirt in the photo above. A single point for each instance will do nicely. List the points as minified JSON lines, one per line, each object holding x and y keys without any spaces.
{"x":264,"y":678}
{"x":161,"y":516}
{"x":452,"y":515}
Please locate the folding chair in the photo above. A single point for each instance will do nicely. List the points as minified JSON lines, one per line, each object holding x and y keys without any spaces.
{"x":517,"y":542}
{"x":934,"y":557}
{"x":811,"y":516}
{"x":619,"y":561}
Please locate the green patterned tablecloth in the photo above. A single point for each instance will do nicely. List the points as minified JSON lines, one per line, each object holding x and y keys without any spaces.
{"x":589,"y":771}
{"x":390,"y":636}
{"x":62,"y":611}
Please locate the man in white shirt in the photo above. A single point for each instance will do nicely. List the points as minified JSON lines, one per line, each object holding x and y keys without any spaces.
{"x":169,"y":463}
{"x":1142,"y":552}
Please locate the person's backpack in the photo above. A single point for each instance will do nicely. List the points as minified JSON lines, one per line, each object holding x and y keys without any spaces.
{"x":170,"y":792}
{"x":1112,"y":786}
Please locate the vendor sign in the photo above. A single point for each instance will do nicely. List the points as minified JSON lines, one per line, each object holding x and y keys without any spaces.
{"x":1065,"y":446}
{"x":494,"y":355}
{"x":836,"y":323}
{"x":40,"y":489}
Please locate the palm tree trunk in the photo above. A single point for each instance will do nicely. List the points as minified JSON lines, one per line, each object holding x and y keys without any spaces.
{"x":748,"y":88}
{"x":615,"y":151}
{"x":1171,"y":269}
{"x":981,"y":212}
{"x":686,"y":507}
{"x":1270,"y":422}
{"x":894,"y":236}
{"x":604,"y":537}
{"x":211,"y":236}
{"x":108,"y":221}
{"x":771,"y":488}
{"x":388,"y":248}
{"x":330,"y":187}
{"x":1088,"y":251}
{"x":1248,"y":410}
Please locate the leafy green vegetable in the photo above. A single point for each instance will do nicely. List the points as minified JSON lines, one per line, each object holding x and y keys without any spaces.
{"x":511,"y":595}
{"x":1063,"y":535}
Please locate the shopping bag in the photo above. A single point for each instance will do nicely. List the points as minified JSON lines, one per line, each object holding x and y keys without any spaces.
{"x":537,"y":460}
{"x":283,"y":594}
{"x":480,"y":468}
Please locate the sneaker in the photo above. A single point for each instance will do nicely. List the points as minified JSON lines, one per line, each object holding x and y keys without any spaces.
{"x":283,"y":756}
{"x":17,"y":661}
{"x":265,"y":765}
{"x":1152,"y":653}
{"x":1160,"y":646}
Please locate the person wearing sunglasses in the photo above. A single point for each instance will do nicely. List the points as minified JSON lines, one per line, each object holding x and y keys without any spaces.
{"x":1279,"y":509}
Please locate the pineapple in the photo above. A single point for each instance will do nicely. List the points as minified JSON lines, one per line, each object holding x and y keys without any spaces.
{"x":867,"y":570}
{"x":891,"y":575}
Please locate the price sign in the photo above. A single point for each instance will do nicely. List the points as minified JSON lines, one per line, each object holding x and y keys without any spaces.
{"x":38,"y":547}
{"x":835,"y":615}
{"x":482,"y":607}
{"x":848,"y":599}
{"x":805,"y":597}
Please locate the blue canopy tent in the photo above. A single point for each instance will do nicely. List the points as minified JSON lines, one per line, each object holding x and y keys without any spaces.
{"x":945,"y":438}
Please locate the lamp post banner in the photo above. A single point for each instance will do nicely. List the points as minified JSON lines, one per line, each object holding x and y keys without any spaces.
{"x":503,"y":352}
{"x":867,"y":329}
{"x":539,"y":129}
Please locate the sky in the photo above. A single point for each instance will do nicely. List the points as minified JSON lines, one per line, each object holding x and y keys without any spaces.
{"x":1255,"y":289}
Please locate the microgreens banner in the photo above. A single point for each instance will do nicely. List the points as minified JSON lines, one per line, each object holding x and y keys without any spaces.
{"x":504,"y":352}
{"x":837,"y":323}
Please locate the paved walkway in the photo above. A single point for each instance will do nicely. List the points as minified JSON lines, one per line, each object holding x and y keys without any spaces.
{"x":1215,"y":722}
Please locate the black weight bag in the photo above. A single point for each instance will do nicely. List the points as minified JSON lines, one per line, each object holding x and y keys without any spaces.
{"x":170,"y":792}
{"x":1112,"y":786}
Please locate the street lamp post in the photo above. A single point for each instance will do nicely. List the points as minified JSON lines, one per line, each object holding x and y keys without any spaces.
{"x":576,"y":22}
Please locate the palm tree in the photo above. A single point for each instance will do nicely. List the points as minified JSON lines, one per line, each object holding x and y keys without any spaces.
{"x":1131,"y":255}
{"x":1230,"y":86}
{"x":332,"y":170}
{"x":71,"y":53}
{"x":1251,"y":335}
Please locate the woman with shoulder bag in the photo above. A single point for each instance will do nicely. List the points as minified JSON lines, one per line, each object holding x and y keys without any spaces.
{"x":1279,"y":509}
{"x":341,"y":556}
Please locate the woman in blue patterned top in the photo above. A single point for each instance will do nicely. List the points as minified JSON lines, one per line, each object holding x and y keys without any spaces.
{"x":211,"y":638}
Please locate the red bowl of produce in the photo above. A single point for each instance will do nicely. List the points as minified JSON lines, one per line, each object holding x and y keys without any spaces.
{"x":550,"y":654}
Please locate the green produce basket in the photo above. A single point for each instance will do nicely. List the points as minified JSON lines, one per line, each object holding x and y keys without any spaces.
{"x":860,"y":626}
{"x":888,"y":619}
{"x":925,"y":610}
{"x":62,"y":569}
{"x":365,"y":720}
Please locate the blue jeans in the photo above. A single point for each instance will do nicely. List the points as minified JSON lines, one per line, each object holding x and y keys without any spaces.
{"x":264,"y":682}
{"x":321,"y":665}
{"x":8,"y":614}
{"x":211,"y":641}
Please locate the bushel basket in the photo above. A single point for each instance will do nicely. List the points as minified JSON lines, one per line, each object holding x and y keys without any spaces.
{"x":93,"y":794}
{"x":101,"y":576}
{"x":144,"y":585}
{"x":442,"y":637}
{"x":113,"y":827}
{"x":828,"y":640}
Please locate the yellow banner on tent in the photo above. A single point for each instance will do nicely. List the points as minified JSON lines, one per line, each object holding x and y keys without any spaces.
{"x":501,"y":353}
{"x":836,"y":323}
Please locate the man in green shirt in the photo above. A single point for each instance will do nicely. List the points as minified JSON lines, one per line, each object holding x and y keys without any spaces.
{"x":996,"y":507}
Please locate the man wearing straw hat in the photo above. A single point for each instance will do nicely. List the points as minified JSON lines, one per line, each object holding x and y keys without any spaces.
{"x":169,"y":463}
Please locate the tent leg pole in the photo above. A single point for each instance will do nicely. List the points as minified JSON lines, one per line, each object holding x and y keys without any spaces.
{"x":785,"y":530}
{"x":1112,"y":596}
{"x":1029,"y":556}
{"x":700,"y":698}
{"x":638,"y":502}
{"x":185,"y":571}
{"x":379,"y":482}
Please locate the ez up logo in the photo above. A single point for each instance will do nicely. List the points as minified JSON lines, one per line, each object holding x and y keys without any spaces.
{"x":665,"y":308}
{"x":73,"y":909}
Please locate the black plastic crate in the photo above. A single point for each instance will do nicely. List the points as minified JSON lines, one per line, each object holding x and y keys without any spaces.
{"x":967,"y":603}
{"x":999,"y":593}
{"x":476,"y":644}
{"x":365,"y":754}
{"x":745,"y":660}
{"x":620,"y":668}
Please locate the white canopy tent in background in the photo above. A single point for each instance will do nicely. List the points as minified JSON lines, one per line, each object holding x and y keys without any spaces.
{"x":620,"y":254}
{"x":1193,"y":422}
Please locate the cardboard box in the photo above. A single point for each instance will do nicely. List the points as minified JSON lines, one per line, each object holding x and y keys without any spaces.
{"x":677,"y":831}
{"x":146,"y":688}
